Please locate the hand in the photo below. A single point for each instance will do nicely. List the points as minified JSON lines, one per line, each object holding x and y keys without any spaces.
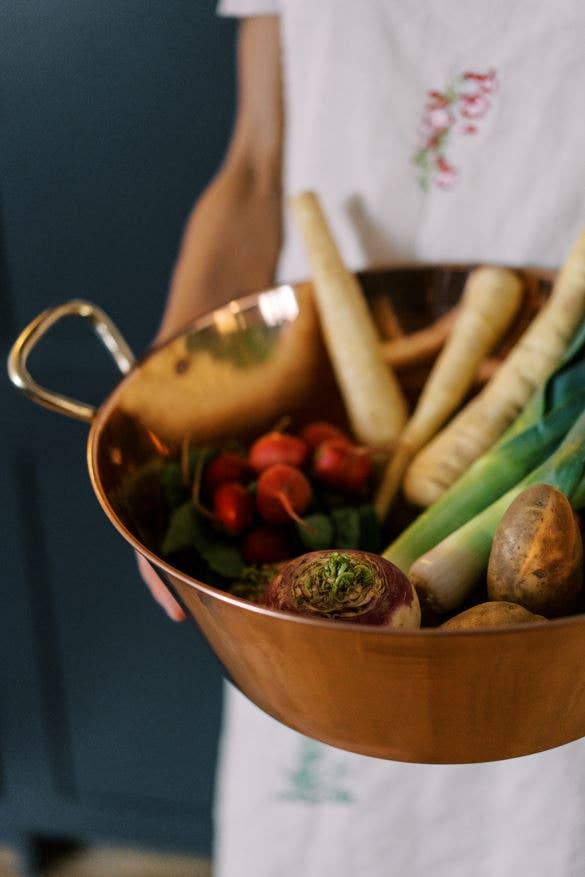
{"x":159,"y":590}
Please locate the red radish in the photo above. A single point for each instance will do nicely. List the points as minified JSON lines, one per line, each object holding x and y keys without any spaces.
{"x":277,"y":447}
{"x":342,"y":466}
{"x":314,"y":434}
{"x":282,"y":493}
{"x":233,"y":507}
{"x":227,"y":466}
{"x":265,"y":545}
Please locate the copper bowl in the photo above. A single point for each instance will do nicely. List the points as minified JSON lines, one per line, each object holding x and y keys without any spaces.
{"x":426,"y":696}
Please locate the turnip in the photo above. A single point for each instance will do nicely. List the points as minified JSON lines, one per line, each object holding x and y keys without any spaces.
{"x":350,"y":585}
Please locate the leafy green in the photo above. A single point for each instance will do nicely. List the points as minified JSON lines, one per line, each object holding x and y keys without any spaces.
{"x":341,"y":527}
{"x":370,"y":530}
{"x":253,"y":582}
{"x":199,"y":457}
{"x":222,"y":557}
{"x":315,"y":532}
{"x":187,"y":529}
{"x":346,"y":522}
{"x":172,"y":483}
{"x":140,"y":502}
{"x":182,"y":530}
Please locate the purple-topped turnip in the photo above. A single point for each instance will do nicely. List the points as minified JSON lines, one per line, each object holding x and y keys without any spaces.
{"x":346,"y":585}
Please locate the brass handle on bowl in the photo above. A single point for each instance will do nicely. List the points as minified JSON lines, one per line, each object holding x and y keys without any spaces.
{"x":103,"y":327}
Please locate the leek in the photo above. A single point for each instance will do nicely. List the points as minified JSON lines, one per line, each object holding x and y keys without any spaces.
{"x":535,"y":434}
{"x":446,"y":574}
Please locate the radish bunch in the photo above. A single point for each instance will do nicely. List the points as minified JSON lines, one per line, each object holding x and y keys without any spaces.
{"x":256,"y":496}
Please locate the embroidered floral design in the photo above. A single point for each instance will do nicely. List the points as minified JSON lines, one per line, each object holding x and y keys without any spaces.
{"x":455,"y":111}
{"x":317,"y":778}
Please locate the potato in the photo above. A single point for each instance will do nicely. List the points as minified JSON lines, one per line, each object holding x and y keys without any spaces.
{"x":537,"y":553}
{"x":494,"y":614}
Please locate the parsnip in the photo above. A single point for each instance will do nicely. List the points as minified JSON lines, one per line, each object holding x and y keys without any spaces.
{"x":374,"y":402}
{"x":420,"y":346}
{"x":485,"y":418}
{"x":386,"y":318}
{"x":489,"y":303}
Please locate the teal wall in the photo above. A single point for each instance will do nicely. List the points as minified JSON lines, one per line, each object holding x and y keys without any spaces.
{"x":113,"y":116}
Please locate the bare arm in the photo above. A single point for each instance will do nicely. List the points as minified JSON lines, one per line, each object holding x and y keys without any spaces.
{"x":232,"y":238}
{"x":233,"y":234}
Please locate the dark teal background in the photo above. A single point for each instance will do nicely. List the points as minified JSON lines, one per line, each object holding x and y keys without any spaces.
{"x":113,"y":116}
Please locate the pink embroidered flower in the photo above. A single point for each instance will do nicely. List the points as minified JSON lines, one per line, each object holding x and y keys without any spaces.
{"x":467,"y":129}
{"x":474,"y":106}
{"x":457,"y":110}
{"x":446,"y":174}
{"x":439,"y":118}
{"x":469,"y":88}
{"x":485,"y":82}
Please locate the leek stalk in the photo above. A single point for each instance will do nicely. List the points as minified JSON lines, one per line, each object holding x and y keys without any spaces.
{"x":446,"y":574}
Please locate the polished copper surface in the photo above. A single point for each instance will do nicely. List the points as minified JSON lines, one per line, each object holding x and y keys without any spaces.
{"x":424,"y":696}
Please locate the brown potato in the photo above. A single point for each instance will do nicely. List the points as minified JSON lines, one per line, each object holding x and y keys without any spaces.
{"x":493,"y":614}
{"x":537,"y":553}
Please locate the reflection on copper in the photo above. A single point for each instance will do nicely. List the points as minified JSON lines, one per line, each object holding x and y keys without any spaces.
{"x":185,"y":468}
{"x":116,"y":456}
{"x":226,"y":319}
{"x":159,"y":445}
{"x":278,"y":306}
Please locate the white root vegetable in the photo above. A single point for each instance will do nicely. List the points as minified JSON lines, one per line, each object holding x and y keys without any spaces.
{"x":373,"y":399}
{"x":489,"y":303}
{"x":484,"y":419}
{"x":386,"y":318}
{"x":420,"y":346}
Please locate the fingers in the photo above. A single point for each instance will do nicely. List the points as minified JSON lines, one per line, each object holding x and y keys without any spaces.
{"x":159,"y":590}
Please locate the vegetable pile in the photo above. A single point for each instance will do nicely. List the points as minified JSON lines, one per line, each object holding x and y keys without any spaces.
{"x":522,"y":435}
{"x":299,"y":519}
{"x":233,"y":512}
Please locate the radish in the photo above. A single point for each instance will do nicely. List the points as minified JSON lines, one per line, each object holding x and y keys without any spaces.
{"x":233,"y":507}
{"x":282,"y":493}
{"x":346,"y":585}
{"x":265,"y":545}
{"x":342,"y":466}
{"x":277,"y":447}
{"x":227,"y":466}
{"x":314,"y":434}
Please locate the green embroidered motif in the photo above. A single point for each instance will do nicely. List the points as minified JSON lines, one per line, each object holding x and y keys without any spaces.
{"x":318,"y":778}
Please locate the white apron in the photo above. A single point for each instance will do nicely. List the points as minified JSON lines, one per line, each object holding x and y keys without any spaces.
{"x":445,"y":130}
